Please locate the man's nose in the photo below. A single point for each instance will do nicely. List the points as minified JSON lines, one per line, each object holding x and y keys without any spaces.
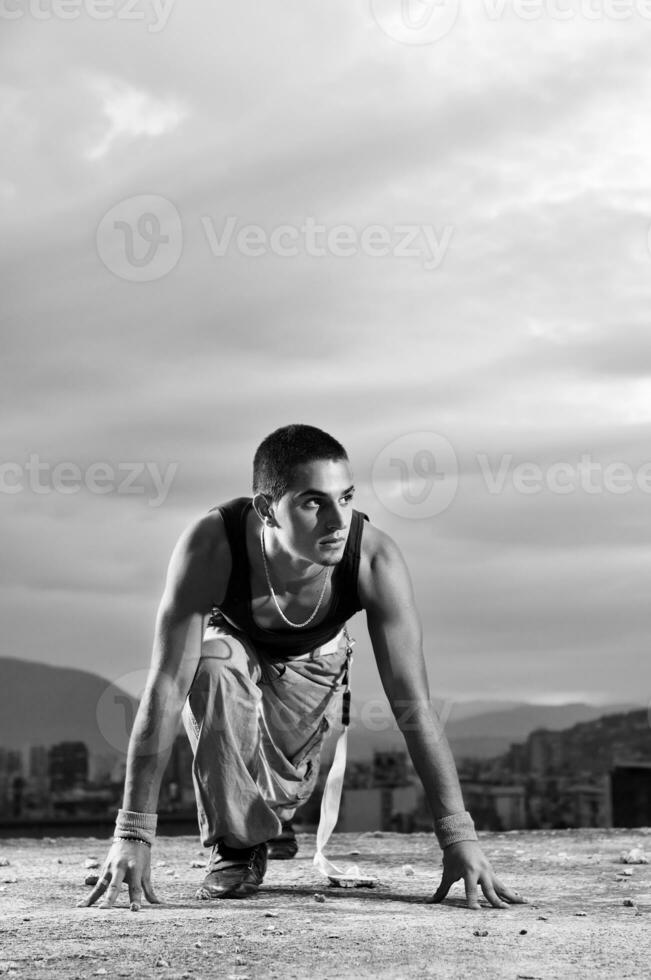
{"x":336,"y":519}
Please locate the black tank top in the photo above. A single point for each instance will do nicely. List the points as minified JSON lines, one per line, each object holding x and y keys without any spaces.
{"x":285,"y":643}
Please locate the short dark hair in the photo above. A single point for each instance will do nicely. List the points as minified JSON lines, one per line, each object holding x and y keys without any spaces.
{"x":288,"y":447}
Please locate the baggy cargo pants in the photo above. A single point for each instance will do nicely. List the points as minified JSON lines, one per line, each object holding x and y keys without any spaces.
{"x":256,"y":730}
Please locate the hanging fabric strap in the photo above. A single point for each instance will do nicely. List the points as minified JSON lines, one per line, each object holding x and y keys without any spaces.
{"x":330,"y":803}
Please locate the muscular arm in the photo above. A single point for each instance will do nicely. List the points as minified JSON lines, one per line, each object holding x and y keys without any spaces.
{"x":394,"y":626}
{"x":395,"y":631}
{"x":196,"y":577}
{"x":187,"y":599}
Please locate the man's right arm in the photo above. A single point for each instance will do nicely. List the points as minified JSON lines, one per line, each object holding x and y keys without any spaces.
{"x":191,"y":588}
{"x":197,"y":576}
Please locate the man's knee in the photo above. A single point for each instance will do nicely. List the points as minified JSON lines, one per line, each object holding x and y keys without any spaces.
{"x":224,"y":683}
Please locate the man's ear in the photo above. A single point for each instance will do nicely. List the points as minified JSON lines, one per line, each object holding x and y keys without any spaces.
{"x":263,"y":506}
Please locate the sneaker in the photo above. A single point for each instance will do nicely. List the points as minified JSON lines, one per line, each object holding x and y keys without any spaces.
{"x":285,"y":846}
{"x":234,"y":872}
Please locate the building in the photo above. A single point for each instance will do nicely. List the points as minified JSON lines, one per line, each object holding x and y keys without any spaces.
{"x":378,"y":808}
{"x":630,"y":793}
{"x":496,"y":807}
{"x":68,"y":766}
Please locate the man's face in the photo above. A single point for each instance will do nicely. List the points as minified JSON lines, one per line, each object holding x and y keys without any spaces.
{"x":314,"y":516}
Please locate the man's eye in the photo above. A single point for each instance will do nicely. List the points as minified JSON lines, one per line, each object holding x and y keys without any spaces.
{"x":348,"y":498}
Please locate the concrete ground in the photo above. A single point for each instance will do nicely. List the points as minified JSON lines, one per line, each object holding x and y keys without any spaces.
{"x":578,"y":922}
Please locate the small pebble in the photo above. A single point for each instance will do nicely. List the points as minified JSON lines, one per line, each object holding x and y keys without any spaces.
{"x":480,"y":932}
{"x":100,"y":973}
{"x":319,"y":897}
{"x":170,"y":871}
{"x":581,"y":913}
{"x":4,"y":862}
{"x":161,"y":962}
{"x":271,"y":915}
{"x":635,"y":856}
{"x":523,"y":932}
{"x":161,"y":864}
{"x":91,"y":863}
{"x":91,"y":879}
{"x":198,"y":864}
{"x":408,"y":870}
{"x":544,"y":918}
{"x":353,"y":853}
{"x":198,"y":944}
{"x":629,"y":903}
{"x":9,"y":879}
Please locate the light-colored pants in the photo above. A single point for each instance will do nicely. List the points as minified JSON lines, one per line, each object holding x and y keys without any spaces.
{"x":256,"y":729}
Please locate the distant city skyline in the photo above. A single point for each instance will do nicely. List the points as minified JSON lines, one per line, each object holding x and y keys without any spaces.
{"x":437,"y":252}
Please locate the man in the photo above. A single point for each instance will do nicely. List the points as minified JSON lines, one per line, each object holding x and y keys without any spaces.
{"x":250,"y":649}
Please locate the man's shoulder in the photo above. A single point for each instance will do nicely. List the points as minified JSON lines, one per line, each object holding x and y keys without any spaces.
{"x":383,"y":573}
{"x":377,"y":545}
{"x":207,"y":535}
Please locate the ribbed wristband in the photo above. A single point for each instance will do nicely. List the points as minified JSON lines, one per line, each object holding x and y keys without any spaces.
{"x":141,"y":825}
{"x":454,"y":828}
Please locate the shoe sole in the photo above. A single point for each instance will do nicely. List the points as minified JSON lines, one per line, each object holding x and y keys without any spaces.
{"x":238,"y":891}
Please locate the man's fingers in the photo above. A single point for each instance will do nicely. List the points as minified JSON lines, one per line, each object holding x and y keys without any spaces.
{"x":150,"y":895}
{"x":113,"y":890}
{"x":489,"y":892}
{"x":472,"y":897}
{"x":135,"y":894}
{"x":446,"y":884}
{"x":98,"y":890}
{"x":508,"y":895}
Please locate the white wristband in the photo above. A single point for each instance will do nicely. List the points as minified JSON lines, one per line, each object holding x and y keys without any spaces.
{"x":141,"y":825}
{"x":454,"y":828}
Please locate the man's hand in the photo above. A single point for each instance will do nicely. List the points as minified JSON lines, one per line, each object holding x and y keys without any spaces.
{"x":126,"y":861}
{"x":467,"y":860}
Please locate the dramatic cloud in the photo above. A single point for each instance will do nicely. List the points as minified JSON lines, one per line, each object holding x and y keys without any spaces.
{"x":377,"y":237}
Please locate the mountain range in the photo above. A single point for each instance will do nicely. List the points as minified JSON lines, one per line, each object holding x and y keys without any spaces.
{"x":41,"y":704}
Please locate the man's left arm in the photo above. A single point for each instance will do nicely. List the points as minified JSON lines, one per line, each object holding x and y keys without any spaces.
{"x":394,"y":627}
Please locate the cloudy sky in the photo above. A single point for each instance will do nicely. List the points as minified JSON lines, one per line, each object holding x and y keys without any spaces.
{"x":421,"y":227}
